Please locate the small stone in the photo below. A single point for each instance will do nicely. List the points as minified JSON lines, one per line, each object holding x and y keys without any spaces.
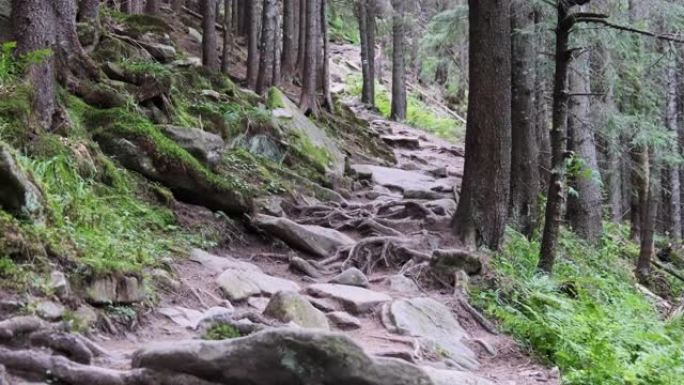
{"x":444,"y":207}
{"x":407,"y":142}
{"x":323,"y":304}
{"x":403,"y":284}
{"x":282,"y":113}
{"x":195,"y":34}
{"x":422,"y":194}
{"x":259,"y":303}
{"x":451,"y":377}
{"x":50,"y":311}
{"x":188,"y":62}
{"x":352,"y":277}
{"x":271,"y":205}
{"x":187,"y":318}
{"x":344,"y":320}
{"x":164,"y":280}
{"x":287,"y":306}
{"x":302,"y":265}
{"x":440,"y":172}
{"x":59,"y":283}
{"x":86,"y":315}
{"x":449,"y":261}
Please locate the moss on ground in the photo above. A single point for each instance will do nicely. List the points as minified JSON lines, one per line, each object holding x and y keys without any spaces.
{"x":274,"y":99}
{"x":137,"y":24}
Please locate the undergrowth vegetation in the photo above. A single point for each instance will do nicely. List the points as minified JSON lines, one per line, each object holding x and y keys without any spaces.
{"x":589,"y":319}
{"x":418,"y":114}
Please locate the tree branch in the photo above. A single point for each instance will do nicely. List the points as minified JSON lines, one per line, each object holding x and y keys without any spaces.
{"x":602,"y":20}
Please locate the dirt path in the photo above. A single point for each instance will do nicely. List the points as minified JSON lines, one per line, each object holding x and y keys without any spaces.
{"x":426,"y":172}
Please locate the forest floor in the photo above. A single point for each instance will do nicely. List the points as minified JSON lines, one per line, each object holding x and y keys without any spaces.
{"x":423,"y":161}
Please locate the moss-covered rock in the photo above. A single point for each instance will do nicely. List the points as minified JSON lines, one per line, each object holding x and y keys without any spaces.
{"x":18,"y":194}
{"x":140,"y":146}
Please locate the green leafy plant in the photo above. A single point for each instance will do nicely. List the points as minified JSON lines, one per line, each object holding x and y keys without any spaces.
{"x":221,"y":332}
{"x":589,"y":319}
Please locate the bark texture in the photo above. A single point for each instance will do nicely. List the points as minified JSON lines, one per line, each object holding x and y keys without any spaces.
{"x":289,"y":55}
{"x":267,"y":46}
{"x":482,"y":210}
{"x":556,"y":185}
{"x":252,"y":43}
{"x":307,"y":101}
{"x":525,"y":186}
{"x":209,"y":36}
{"x":398,"y":109}
{"x":584,"y":207}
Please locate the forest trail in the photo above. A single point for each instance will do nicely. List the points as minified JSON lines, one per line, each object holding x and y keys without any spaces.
{"x":393,"y":315}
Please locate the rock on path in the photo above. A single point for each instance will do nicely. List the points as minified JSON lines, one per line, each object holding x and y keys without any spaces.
{"x":319,"y":241}
{"x":355,"y":299}
{"x":434,"y":324}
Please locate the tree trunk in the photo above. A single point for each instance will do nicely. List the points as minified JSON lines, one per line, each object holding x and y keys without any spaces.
{"x":288,"y":56}
{"x":398,"y":110}
{"x":267,"y":46}
{"x":327,"y":98}
{"x":556,"y":189}
{"x":252,"y":44}
{"x":277,"y":52}
{"x":648,"y":204}
{"x":177,"y":5}
{"x":88,"y":11}
{"x":672,"y":121}
{"x":307,"y":101}
{"x":241,"y":17}
{"x":128,"y":6}
{"x":301,"y":53}
{"x":365,"y":10}
{"x":209,"y":35}
{"x":636,"y":180}
{"x":43,"y":24}
{"x":585,"y":207}
{"x":227,"y":36}
{"x":525,"y":187}
{"x":34,"y":29}
{"x":152,"y":7}
{"x":482,"y":209}
{"x":540,"y":105}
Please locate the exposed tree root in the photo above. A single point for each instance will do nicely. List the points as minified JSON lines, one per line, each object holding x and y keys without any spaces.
{"x":68,"y":345}
{"x":41,"y":366}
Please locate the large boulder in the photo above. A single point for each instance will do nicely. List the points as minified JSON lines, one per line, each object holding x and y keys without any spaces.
{"x":319,"y":241}
{"x":204,"y":146}
{"x":279,"y":357}
{"x":158,"y":158}
{"x":292,"y":120}
{"x":288,"y":306}
{"x":434,"y":325}
{"x":18,"y":195}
